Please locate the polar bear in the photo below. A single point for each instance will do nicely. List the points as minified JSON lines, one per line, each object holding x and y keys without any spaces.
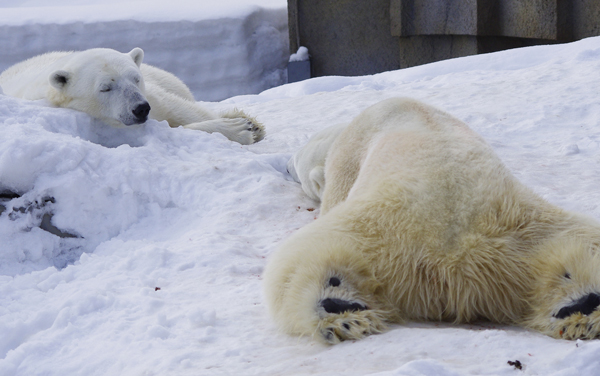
{"x":119,"y":90}
{"x":420,"y":220}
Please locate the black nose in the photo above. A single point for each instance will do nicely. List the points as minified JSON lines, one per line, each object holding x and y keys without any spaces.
{"x":141,"y":112}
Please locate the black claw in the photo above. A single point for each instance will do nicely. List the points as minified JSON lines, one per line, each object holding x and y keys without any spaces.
{"x":329,"y":334}
{"x":332,"y":305}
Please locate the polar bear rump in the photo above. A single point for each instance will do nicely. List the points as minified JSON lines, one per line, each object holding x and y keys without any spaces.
{"x":420,"y":220}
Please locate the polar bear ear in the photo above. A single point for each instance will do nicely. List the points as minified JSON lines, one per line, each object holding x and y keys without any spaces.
{"x":137,"y":54}
{"x":60,"y":79}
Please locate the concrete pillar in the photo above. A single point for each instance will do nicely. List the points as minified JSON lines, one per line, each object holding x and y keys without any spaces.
{"x":344,"y":37}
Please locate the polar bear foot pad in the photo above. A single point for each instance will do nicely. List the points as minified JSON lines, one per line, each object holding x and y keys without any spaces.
{"x":585,"y":305}
{"x":332,"y":305}
{"x":579,"y":320}
{"x":355,"y":323}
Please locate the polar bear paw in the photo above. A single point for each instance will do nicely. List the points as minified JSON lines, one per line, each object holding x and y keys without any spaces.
{"x":235,"y":125}
{"x":346,"y":320}
{"x":245,"y":124}
{"x":579,"y":320}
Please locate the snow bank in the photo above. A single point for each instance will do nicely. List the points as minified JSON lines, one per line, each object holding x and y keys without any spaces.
{"x":219,"y":49}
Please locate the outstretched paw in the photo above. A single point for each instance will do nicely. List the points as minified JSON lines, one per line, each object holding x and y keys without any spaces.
{"x":579,"y":320}
{"x":350,"y":325}
{"x":247,"y":124}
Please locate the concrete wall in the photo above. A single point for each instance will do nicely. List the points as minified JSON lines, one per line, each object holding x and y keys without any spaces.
{"x":356,"y":37}
{"x":344,"y":37}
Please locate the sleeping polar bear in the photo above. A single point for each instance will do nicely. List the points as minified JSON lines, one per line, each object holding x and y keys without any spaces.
{"x":119,"y":90}
{"x":420,"y":220}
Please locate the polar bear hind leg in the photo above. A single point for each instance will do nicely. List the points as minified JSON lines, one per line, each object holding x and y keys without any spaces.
{"x":566,"y":299}
{"x":582,"y":320}
{"x":343,"y":316}
{"x":318,"y":287}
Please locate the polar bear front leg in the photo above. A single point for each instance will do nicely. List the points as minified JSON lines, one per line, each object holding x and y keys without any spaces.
{"x":235,"y":125}
{"x":179,"y":111}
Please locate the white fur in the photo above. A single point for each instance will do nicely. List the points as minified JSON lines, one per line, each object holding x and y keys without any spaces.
{"x":307,"y":166}
{"x":420,"y":220}
{"x":110,"y":85}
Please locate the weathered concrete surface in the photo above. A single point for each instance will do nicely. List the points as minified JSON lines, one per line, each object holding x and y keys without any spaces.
{"x":420,"y":49}
{"x":345,"y":37}
{"x":433,"y":17}
{"x":510,"y":18}
{"x":355,"y":37}
{"x":584,"y":18}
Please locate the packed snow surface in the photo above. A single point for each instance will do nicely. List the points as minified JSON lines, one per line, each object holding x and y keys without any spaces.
{"x":172,"y":227}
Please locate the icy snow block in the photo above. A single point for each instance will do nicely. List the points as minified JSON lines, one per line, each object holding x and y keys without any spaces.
{"x":298,"y":71}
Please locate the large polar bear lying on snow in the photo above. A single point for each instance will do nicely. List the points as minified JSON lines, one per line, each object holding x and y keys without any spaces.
{"x":119,"y":90}
{"x":420,"y":220}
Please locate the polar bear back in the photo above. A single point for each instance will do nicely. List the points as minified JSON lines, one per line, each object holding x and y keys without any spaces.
{"x":29,"y":79}
{"x":404,"y":165}
{"x":402,"y":141}
{"x":167,"y":81}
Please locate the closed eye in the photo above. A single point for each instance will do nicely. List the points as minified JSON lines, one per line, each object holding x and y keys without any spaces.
{"x":105,"y":89}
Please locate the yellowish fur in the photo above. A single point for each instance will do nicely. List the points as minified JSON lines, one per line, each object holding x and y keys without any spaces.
{"x":420,"y":220}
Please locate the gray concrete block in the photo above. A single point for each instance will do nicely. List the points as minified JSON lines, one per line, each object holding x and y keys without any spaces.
{"x":347,"y":37}
{"x":519,"y":18}
{"x":433,"y":17}
{"x":421,"y":49}
{"x":585,"y":18}
{"x":541,"y":19}
{"x":298,"y":71}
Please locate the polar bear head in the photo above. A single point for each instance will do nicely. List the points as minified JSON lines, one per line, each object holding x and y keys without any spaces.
{"x":104,"y":83}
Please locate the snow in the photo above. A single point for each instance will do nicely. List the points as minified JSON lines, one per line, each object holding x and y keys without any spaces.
{"x":222,"y":48}
{"x":175,"y":226}
{"x":300,"y":55}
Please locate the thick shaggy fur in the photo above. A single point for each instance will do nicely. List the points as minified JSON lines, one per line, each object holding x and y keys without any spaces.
{"x":117,"y":89}
{"x":420,"y":220}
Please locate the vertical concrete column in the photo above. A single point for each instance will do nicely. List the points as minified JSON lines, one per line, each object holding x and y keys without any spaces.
{"x":345,"y":37}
